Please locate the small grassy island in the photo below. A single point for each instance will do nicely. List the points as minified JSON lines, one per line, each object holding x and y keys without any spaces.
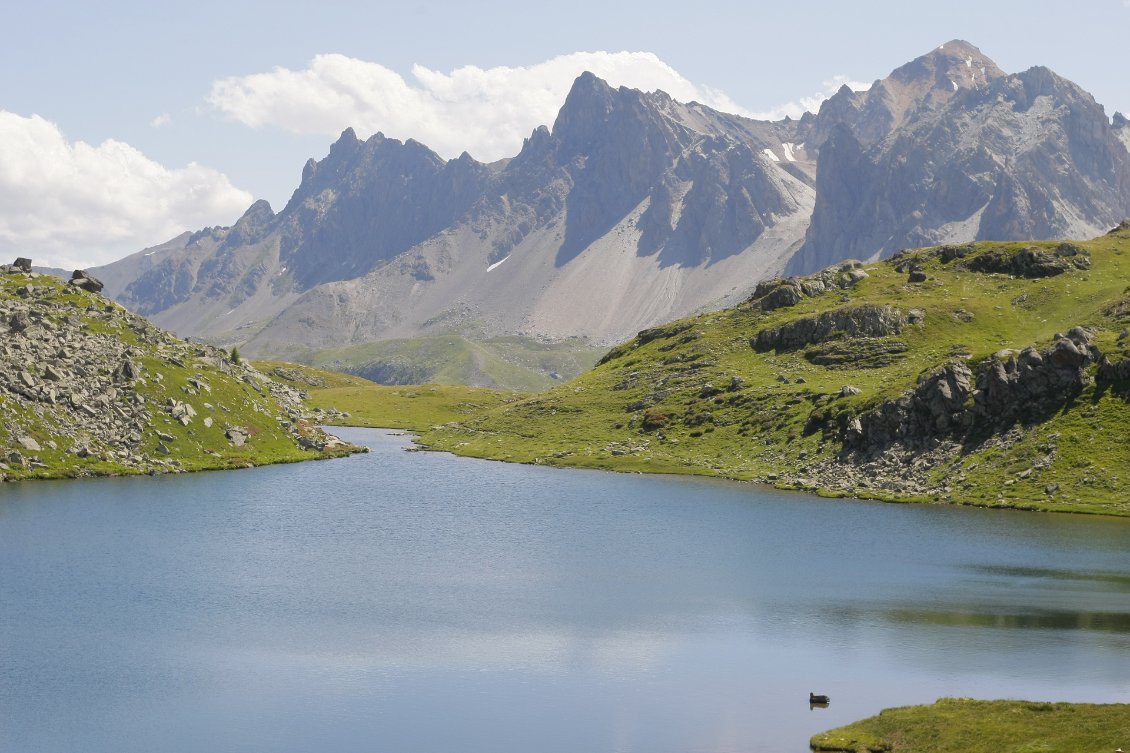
{"x":962,"y":725}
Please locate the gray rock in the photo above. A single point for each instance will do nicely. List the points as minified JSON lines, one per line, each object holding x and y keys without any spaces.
{"x":29,"y":444}
{"x":87,"y":282}
{"x":127,"y":371}
{"x":23,"y":264}
{"x":783,"y":296}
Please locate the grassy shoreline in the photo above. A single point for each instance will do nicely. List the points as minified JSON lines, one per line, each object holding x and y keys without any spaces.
{"x":965,"y":725}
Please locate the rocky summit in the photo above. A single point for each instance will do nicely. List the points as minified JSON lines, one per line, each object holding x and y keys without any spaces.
{"x":634,"y":209}
{"x":88,"y":388}
{"x":949,"y":149}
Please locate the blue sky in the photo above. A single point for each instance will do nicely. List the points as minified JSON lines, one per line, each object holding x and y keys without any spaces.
{"x":122,"y":122}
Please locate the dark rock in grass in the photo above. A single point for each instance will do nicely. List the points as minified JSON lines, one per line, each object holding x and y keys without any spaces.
{"x":22,"y":264}
{"x":1028,"y":262}
{"x":783,"y":296}
{"x":916,"y":275}
{"x":19,"y":321}
{"x":80,"y":279}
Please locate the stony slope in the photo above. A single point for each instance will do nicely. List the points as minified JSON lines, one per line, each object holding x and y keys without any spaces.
{"x":988,"y":374}
{"x":87,"y":388}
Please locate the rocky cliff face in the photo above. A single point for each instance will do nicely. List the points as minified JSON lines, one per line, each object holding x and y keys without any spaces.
{"x":950,"y":149}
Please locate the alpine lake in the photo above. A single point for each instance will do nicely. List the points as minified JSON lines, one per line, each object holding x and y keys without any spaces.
{"x":420,"y":602}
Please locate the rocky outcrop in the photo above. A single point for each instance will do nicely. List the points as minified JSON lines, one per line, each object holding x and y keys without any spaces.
{"x":777,"y":293}
{"x":957,"y":404}
{"x":83,"y":380}
{"x":1031,"y":262}
{"x":867,"y":320}
{"x":898,"y":446}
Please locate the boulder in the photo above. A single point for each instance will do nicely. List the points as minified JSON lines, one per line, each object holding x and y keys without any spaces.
{"x":19,"y":321}
{"x":236,"y":436}
{"x":783,"y":296}
{"x":127,"y":371}
{"x":23,"y":264}
{"x":79,"y":278}
{"x":29,"y":444}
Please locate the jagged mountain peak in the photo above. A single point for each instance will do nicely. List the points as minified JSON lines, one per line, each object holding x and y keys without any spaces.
{"x":928,"y":159}
{"x":954,"y":59}
{"x":923,"y":85}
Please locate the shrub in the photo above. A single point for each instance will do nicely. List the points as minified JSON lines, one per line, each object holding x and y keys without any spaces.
{"x":653,"y":418}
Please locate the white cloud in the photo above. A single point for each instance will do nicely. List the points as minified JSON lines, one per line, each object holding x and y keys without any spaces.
{"x":73,"y":205}
{"x":484,"y":111}
{"x":161,"y":120}
{"x":812,"y":103}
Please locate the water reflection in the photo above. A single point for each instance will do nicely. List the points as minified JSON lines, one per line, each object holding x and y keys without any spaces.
{"x":419,"y":602}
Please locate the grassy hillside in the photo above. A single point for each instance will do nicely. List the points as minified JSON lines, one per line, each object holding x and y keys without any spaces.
{"x":346,"y":400}
{"x":87,"y":388}
{"x":961,"y":725}
{"x":805,"y":385}
{"x":507,"y":363}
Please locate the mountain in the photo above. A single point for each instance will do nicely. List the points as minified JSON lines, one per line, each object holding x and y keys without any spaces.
{"x":949,"y":149}
{"x":88,"y":388}
{"x":989,"y":373}
{"x":635,"y":209}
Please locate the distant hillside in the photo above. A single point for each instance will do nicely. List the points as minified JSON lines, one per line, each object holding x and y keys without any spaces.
{"x":89,"y":389}
{"x":986,"y":374}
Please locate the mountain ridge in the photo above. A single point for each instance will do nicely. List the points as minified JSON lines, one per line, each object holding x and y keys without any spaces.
{"x":634,"y":209}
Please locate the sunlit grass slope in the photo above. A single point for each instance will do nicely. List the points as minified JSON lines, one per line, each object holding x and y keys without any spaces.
{"x":696,"y":396}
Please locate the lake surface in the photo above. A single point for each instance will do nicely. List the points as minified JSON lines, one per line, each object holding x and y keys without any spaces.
{"x":409,"y":602}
